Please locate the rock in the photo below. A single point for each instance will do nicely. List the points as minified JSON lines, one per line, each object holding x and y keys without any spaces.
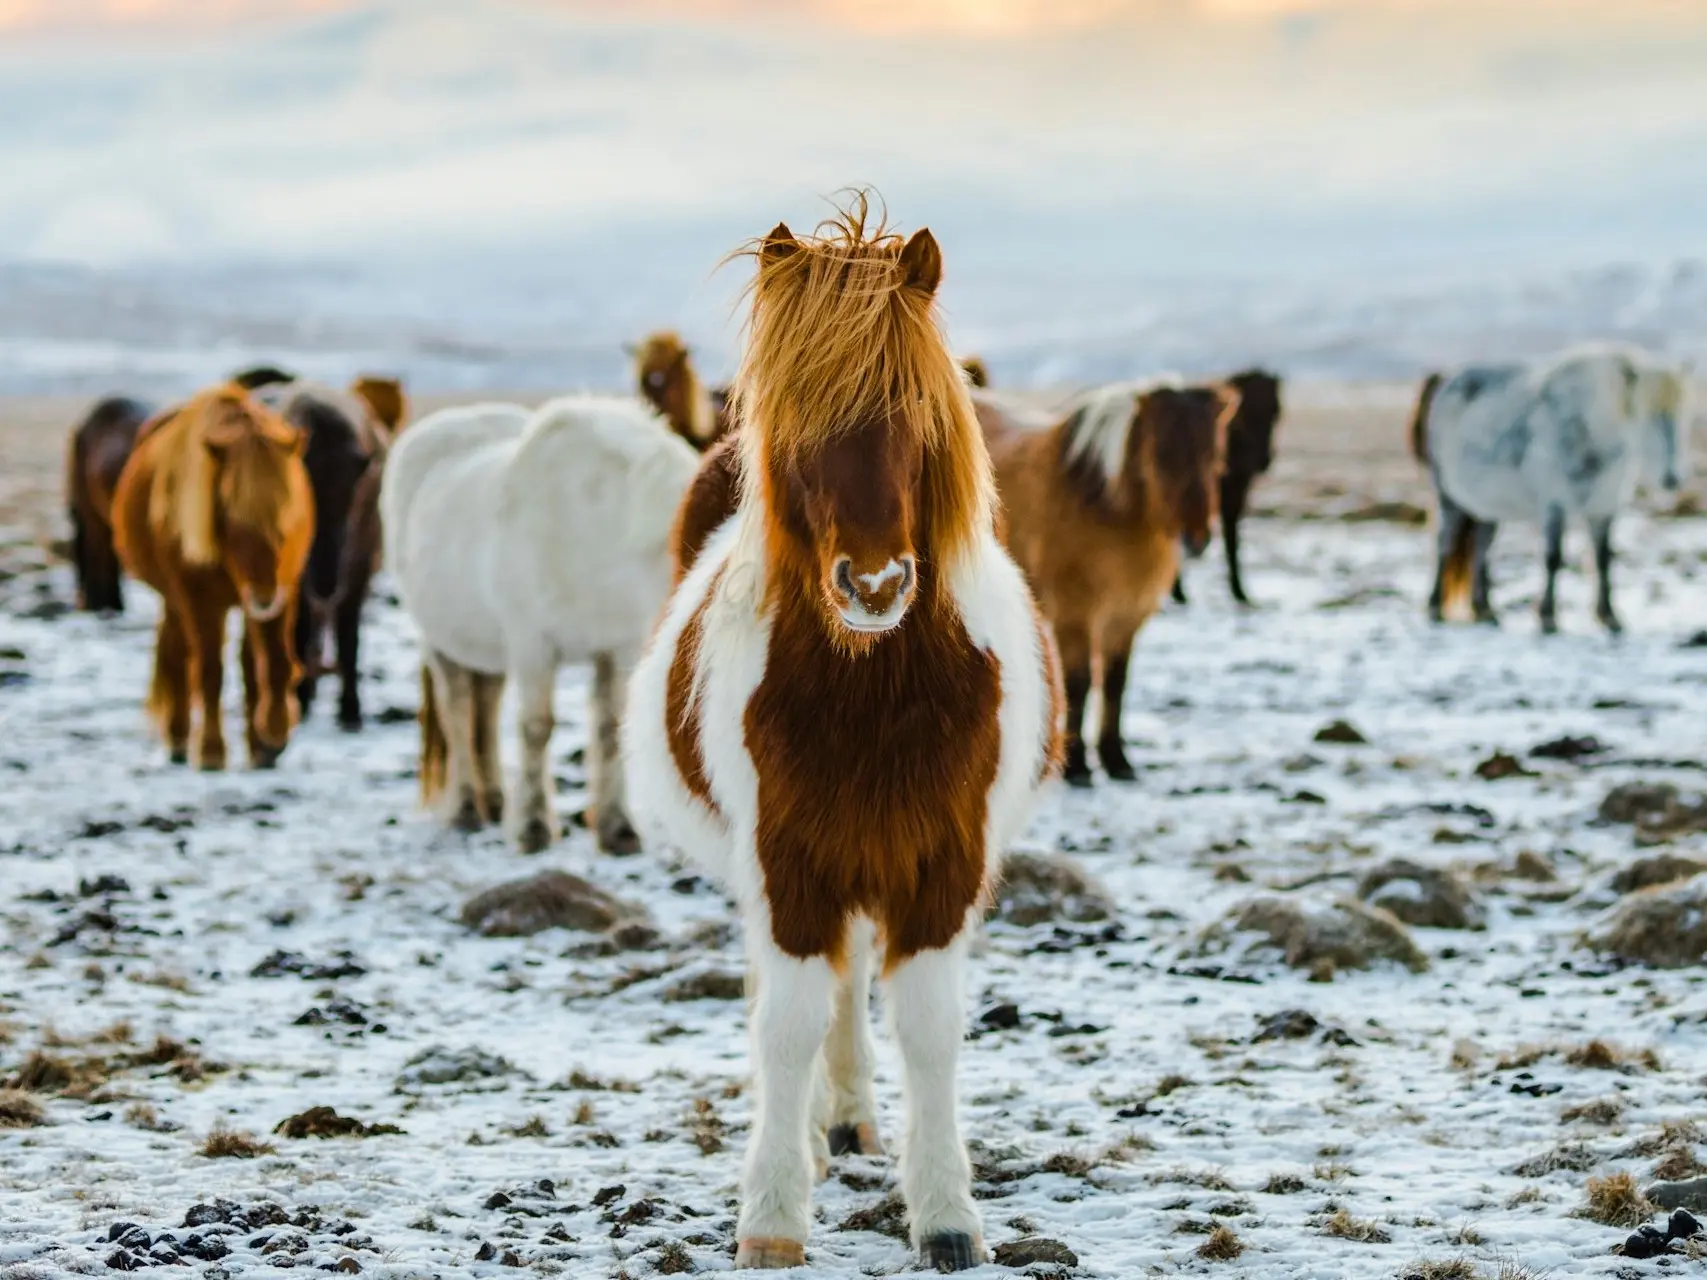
{"x":439,"y":1065}
{"x":1683,"y":1225}
{"x":1341,"y":733}
{"x":324,"y":1122}
{"x":1039,"y":888}
{"x":1568,"y":748}
{"x":1425,"y":897}
{"x":1662,"y":868}
{"x":1000,"y":1017}
{"x":1502,"y":764}
{"x":1288,"y":1024}
{"x":706,"y":984}
{"x":549,"y":900}
{"x":1691,"y":1193}
{"x":1315,"y":935}
{"x":292,"y":964}
{"x":1664,"y":927}
{"x":1658,"y":810}
{"x":1033,"y":1250}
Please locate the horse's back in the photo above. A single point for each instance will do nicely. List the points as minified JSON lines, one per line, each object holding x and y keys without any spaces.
{"x":449,"y":437}
{"x":101,"y":444}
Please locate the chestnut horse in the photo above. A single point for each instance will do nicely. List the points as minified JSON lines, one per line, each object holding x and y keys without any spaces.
{"x":1097,"y":508}
{"x":214,"y":511}
{"x":1250,"y":453}
{"x":665,"y":376}
{"x":100,"y":446}
{"x":845,"y":714}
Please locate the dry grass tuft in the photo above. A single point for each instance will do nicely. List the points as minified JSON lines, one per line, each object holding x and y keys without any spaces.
{"x":1459,"y":1268}
{"x":1593,"y":1055}
{"x":1171,"y":1084}
{"x":1221,"y":1245}
{"x":1574,"y":1156}
{"x":1602,"y":1111}
{"x":1616,"y":1201}
{"x":1343,"y":1226}
{"x":18,"y":1110}
{"x":230,"y":1144}
{"x":1284,"y":1184}
{"x":672,"y":1259}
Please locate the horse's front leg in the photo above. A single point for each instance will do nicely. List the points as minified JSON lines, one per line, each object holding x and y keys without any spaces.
{"x":274,"y":672}
{"x":1074,"y":642}
{"x":1601,"y":529}
{"x":610,"y":812}
{"x":1116,"y":658}
{"x":169,"y":691}
{"x":1553,"y":544}
{"x":925,"y":999}
{"x":850,"y":1119}
{"x":348,"y":622}
{"x":536,"y":825}
{"x":791,"y":1011}
{"x":1232,"y":511}
{"x":206,"y":633}
{"x":1481,"y":585}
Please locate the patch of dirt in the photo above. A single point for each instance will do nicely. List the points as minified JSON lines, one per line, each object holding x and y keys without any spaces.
{"x":1688,"y":1193}
{"x":1569,"y":748}
{"x":1664,"y":927}
{"x":549,"y":900}
{"x":1658,"y":810}
{"x":1042,"y":888}
{"x":1315,"y":935}
{"x":1340,"y":733}
{"x":1501,"y":765}
{"x":706,"y":984}
{"x":1033,"y":1251}
{"x":439,"y":1065}
{"x":1661,"y":868}
{"x":291,"y":964}
{"x":324,"y":1122}
{"x":1426,"y":897}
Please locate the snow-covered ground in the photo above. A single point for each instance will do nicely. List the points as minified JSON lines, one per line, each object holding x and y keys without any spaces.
{"x":136,"y":893}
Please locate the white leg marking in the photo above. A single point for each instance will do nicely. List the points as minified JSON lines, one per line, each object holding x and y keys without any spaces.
{"x":535,"y":682}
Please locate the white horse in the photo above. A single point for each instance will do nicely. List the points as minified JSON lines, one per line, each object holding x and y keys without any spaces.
{"x":519,"y":542}
{"x":1568,"y":436}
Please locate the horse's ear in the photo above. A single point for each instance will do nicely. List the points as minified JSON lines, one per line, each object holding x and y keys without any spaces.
{"x":921,"y":262}
{"x":778,"y":246}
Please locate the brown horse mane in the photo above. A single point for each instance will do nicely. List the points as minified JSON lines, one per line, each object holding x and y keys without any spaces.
{"x":222,"y":451}
{"x":840,"y":336}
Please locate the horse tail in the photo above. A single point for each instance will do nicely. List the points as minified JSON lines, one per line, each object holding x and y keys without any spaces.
{"x":1456,"y":573}
{"x":1419,"y":417}
{"x":435,"y":748}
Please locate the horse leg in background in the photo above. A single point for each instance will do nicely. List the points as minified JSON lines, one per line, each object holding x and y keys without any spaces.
{"x":536,"y":679}
{"x":1179,"y":586}
{"x":269,"y":724}
{"x":108,"y":576}
{"x":1482,"y":540}
{"x":1074,"y":642}
{"x":924,"y":995}
{"x":1232,"y":511}
{"x":790,"y":1015}
{"x":308,"y":642}
{"x":1116,"y":657}
{"x":206,"y":633}
{"x":453,"y":691}
{"x":1452,"y":552}
{"x":610,"y":685}
{"x":169,"y":690}
{"x":1601,"y":530}
{"x":1553,"y":540}
{"x":348,"y":624}
{"x":489,"y":772}
{"x":849,"y":1054}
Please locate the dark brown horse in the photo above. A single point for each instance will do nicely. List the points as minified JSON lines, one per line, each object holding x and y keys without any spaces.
{"x":1250,"y":452}
{"x":100,"y":446}
{"x":344,"y":445}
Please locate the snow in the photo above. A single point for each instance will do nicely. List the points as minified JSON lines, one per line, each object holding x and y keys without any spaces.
{"x":330,"y":854}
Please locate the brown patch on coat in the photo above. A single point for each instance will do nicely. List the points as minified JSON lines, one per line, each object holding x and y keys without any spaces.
{"x":711,"y":499}
{"x":681,"y":707}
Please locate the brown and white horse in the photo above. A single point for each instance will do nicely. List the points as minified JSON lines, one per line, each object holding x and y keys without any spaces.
{"x":214,"y":511}
{"x":666,"y":379}
{"x":845,"y":714}
{"x":1096,"y":508}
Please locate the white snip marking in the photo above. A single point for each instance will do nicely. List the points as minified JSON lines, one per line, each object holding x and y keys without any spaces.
{"x":875,"y":581}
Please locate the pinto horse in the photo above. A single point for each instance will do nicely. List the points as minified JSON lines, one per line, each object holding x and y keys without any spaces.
{"x":1097,"y":507}
{"x":345,"y":441}
{"x":665,"y":377}
{"x":1250,"y":453}
{"x":100,"y":446}
{"x":1569,"y":436}
{"x":214,"y":511}
{"x":844,"y":716}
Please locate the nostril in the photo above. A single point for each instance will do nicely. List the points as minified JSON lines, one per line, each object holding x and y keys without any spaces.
{"x":908,"y":575}
{"x":844,"y":577}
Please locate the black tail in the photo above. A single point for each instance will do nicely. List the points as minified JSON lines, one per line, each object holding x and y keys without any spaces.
{"x":1419,"y":417}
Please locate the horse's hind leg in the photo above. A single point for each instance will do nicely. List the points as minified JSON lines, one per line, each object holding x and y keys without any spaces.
{"x":1179,"y":587}
{"x":536,"y":681}
{"x":348,"y":621}
{"x":1454,"y":522}
{"x":850,"y":1056}
{"x":615,"y":832}
{"x":169,"y":690}
{"x":453,"y":690}
{"x":1553,"y":540}
{"x":927,"y":1009}
{"x":1074,"y":642}
{"x":307,"y":648}
{"x":1482,"y":541}
{"x":488,"y":695}
{"x":1601,"y":529}
{"x":1232,"y":511}
{"x":1116,"y":658}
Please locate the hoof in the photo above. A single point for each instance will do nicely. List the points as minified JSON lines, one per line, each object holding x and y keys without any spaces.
{"x":178,"y":755}
{"x":1119,"y":769}
{"x":1549,"y":626}
{"x":1487,"y":618}
{"x":495,"y":806}
{"x":261,"y":756}
{"x":619,"y":838}
{"x":855,"y":1140}
{"x":467,"y":816}
{"x":350,"y":721}
{"x":1080,"y":777}
{"x":951,"y":1251}
{"x":211,"y":761}
{"x":769,"y":1253}
{"x":535,"y":836}
{"x":1611,"y":623}
{"x":1436,"y":614}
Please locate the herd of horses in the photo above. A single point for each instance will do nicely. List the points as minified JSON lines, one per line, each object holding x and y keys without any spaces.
{"x":844,"y":619}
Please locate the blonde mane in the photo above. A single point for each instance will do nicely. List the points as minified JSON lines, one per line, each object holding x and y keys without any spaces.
{"x":837,"y":338}
{"x":251,"y":480}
